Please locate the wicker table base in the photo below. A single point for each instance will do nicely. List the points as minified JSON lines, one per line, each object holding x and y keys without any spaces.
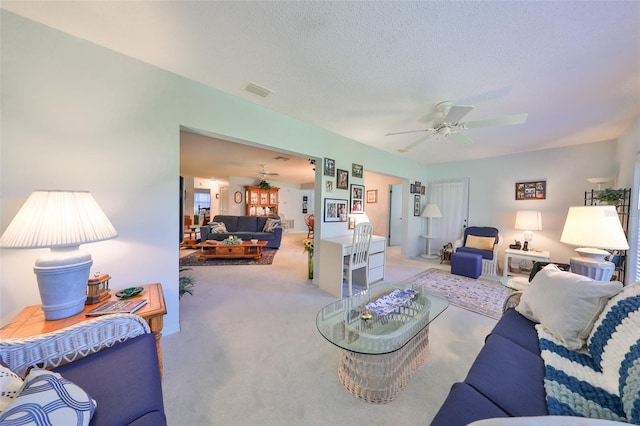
{"x":379,"y":379}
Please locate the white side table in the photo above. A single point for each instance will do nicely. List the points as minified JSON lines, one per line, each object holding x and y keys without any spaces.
{"x":536,"y":256}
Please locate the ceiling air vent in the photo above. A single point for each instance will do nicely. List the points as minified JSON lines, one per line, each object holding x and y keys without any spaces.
{"x":281,"y":158}
{"x":263,"y":92}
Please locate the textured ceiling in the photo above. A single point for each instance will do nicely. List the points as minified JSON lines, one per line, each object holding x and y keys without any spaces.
{"x":363,"y":69}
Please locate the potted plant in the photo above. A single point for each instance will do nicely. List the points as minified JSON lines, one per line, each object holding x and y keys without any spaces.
{"x":186,"y":284}
{"x":610,"y":196}
{"x":263,"y":184}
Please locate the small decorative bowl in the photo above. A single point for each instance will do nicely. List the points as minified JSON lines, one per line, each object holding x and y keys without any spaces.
{"x":129,"y":292}
{"x":254,"y":241}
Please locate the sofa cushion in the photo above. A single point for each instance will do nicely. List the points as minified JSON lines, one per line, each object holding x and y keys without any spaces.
{"x":508,"y":375}
{"x":486,"y":254}
{"x":519,"y":330}
{"x":218,"y":228}
{"x":10,"y":384}
{"x":49,"y":399}
{"x":247,"y":224}
{"x":271,"y":224}
{"x":463,"y":405}
{"x":480,"y":243}
{"x":565,"y":303}
{"x":124,"y":380}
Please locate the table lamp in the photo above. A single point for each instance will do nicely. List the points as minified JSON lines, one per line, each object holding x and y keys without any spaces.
{"x":430,"y":211}
{"x":61,"y":221}
{"x":592,"y":229}
{"x":528,"y":221}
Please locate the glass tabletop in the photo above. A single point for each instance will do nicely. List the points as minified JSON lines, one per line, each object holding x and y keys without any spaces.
{"x":352,"y":325}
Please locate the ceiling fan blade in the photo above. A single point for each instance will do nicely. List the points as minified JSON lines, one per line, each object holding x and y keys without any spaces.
{"x":414,"y":144}
{"x":410,"y":131}
{"x":460,"y":139}
{"x":508,"y":120}
{"x":456,"y":113}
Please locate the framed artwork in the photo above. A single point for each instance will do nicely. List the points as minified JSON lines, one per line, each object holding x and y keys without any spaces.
{"x":329,"y":167}
{"x":357,"y":199}
{"x":343,"y":179}
{"x":237,"y":197}
{"x":412,"y":189}
{"x":352,"y":222}
{"x":357,"y":170}
{"x":372,"y":196}
{"x":536,"y":190}
{"x":418,"y":187}
{"x":329,"y":186}
{"x":335,"y":210}
{"x":416,"y":205}
{"x":423,"y":190}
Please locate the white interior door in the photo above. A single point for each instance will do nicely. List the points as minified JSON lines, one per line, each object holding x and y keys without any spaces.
{"x":395,"y":214}
{"x":452,"y":197}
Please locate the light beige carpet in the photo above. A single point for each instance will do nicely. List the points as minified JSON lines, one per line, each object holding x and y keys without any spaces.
{"x":249,"y":352}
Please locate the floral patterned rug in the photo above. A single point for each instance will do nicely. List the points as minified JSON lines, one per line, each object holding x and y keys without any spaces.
{"x":192,"y":260}
{"x":482,"y":296}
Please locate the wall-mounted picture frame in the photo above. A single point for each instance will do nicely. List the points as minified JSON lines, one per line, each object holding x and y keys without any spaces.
{"x":534,"y":190}
{"x":357,"y":199}
{"x":329,"y":186}
{"x":352,"y":222}
{"x":357,"y":170}
{"x":342,"y":181}
{"x":416,"y":205}
{"x":423,"y":190}
{"x":412,"y":188}
{"x":329,"y":167}
{"x":372,"y":196}
{"x":335,"y":210}
{"x":237,"y":197}
{"x":418,"y":186}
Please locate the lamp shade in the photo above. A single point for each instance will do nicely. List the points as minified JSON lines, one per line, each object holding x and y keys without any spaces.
{"x":594,"y":227}
{"x":57,"y":219}
{"x":528,"y":220}
{"x":431,"y":210}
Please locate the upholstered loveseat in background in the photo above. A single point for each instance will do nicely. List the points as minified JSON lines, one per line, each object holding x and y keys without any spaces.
{"x":263,"y":228}
{"x":112,"y":360}
{"x":570,"y":348}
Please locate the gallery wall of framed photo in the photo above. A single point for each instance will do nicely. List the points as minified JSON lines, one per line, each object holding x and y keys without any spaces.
{"x":345,"y":193}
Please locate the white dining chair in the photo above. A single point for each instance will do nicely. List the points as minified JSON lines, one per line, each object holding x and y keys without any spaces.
{"x":359,"y":257}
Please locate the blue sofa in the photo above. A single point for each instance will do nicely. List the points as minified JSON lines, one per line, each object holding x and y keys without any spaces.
{"x":505,"y":380}
{"x":571,"y":347}
{"x":244,"y":227}
{"x":121,"y":371}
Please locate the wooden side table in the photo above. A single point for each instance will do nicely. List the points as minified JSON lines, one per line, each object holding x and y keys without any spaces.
{"x":30,"y":321}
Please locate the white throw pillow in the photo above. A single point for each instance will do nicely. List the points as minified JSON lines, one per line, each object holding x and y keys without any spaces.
{"x":566,"y":304}
{"x":10,"y":384}
{"x":48,"y":399}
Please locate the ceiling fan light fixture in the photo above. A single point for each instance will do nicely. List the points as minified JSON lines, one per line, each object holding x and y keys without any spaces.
{"x":444,"y":131}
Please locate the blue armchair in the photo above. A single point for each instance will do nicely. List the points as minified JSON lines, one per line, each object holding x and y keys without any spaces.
{"x":483,"y":246}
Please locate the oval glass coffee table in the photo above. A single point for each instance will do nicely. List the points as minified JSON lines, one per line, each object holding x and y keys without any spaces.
{"x":383,"y":334}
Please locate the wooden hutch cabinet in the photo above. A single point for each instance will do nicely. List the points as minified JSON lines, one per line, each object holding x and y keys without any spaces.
{"x":261,"y":202}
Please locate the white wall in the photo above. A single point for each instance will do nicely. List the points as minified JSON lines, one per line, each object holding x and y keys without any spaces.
{"x":492,"y":189}
{"x":78,"y":116}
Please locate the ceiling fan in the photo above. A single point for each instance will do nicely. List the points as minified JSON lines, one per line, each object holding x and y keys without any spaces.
{"x":264,"y":173}
{"x":449,"y":124}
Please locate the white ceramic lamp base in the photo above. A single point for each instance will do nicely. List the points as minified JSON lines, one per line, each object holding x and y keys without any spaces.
{"x":63,"y":274}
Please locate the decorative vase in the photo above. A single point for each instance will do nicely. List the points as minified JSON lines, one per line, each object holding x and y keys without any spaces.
{"x":310,"y":259}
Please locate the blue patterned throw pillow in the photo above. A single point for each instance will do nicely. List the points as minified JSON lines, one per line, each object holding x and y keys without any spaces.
{"x":49,"y":399}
